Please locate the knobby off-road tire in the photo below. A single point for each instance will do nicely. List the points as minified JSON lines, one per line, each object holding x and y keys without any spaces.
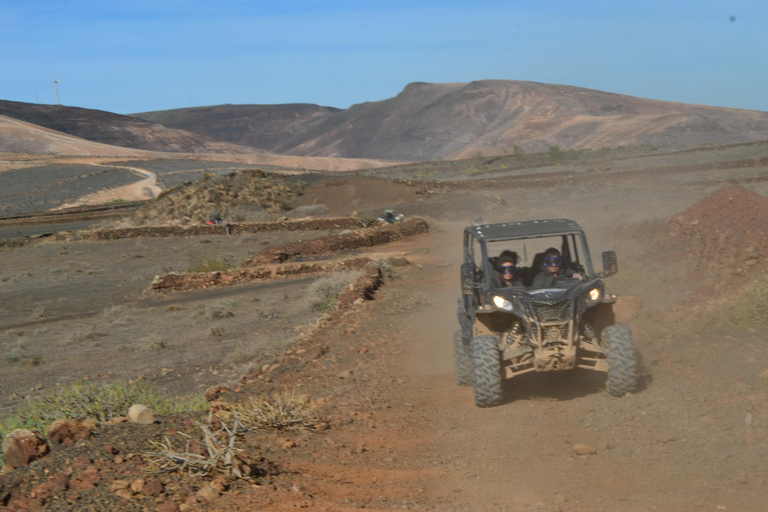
{"x":486,"y":370}
{"x":462,"y":360}
{"x":622,"y":365}
{"x":465,"y":322}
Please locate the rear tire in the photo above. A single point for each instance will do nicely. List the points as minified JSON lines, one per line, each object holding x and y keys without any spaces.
{"x":486,"y":371}
{"x":622,"y":365}
{"x":462,"y":359}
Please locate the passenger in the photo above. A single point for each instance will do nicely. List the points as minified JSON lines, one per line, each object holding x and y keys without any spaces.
{"x":506,"y":266}
{"x":552,"y":274}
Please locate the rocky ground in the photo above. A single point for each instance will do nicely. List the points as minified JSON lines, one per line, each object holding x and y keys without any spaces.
{"x":400,"y":434}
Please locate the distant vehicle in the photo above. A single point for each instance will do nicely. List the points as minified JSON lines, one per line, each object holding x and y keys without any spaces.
{"x":214,"y":217}
{"x":390,"y":216}
{"x":508,"y":331}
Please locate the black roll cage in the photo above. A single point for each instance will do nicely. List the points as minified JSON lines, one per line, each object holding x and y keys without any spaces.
{"x":526,"y":230}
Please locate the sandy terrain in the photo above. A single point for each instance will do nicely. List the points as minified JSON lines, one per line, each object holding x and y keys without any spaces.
{"x":403,"y":436}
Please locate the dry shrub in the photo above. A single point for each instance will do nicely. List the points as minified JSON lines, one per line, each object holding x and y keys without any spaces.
{"x":323,"y":294}
{"x":751,"y":307}
{"x":201,"y":263}
{"x":217,"y":451}
{"x":280,"y":411}
{"x":238,"y":196}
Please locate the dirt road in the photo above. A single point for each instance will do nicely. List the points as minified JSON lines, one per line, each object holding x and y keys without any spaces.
{"x":403,"y":435}
{"x":692,"y":438}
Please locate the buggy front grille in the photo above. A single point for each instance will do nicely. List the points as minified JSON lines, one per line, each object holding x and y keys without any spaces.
{"x":558,"y":312}
{"x":554,"y":334}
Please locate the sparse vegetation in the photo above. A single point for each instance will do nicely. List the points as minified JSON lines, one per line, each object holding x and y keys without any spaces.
{"x":156,"y":342}
{"x":281,"y":411}
{"x":388,"y":269}
{"x":751,"y":307}
{"x":203,"y":263}
{"x":12,"y":243}
{"x":237,"y":196}
{"x":219,"y":453}
{"x":555,"y":153}
{"x":324,"y":293}
{"x":83,"y":400}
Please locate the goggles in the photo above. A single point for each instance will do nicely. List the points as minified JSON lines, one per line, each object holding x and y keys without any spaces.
{"x":507,"y":269}
{"x":553,"y":261}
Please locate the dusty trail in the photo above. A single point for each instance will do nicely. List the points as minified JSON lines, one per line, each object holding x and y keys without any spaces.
{"x":668,"y":447}
{"x":146,"y":188}
{"x":694,"y":437}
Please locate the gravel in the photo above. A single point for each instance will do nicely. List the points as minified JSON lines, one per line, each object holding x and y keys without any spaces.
{"x":42,"y":188}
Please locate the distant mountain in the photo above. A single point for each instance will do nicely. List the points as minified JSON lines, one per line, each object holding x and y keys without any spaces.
{"x":448,"y":121}
{"x":21,"y":137}
{"x":114,"y":129}
{"x":261,"y":126}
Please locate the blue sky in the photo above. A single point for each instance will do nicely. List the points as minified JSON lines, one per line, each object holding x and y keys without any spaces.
{"x":139,"y":56}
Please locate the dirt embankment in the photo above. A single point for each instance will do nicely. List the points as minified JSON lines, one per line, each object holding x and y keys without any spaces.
{"x":726,"y":233}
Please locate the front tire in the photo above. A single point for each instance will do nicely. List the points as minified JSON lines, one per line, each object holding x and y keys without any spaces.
{"x":622,"y":364}
{"x":462,"y":360}
{"x":486,"y":371}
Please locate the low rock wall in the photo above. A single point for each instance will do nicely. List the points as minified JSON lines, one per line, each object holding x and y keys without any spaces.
{"x":215,"y":229}
{"x":182,"y":281}
{"x":368,"y":237}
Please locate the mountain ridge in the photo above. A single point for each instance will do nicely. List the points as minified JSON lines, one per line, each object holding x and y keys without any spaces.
{"x":425,"y":121}
{"x":456,"y":120}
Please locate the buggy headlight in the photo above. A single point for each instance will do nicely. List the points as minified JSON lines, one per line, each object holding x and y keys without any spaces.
{"x":594,"y":294}
{"x":502,"y":303}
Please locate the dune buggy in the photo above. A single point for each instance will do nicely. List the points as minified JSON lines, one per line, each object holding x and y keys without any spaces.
{"x":508,"y":331}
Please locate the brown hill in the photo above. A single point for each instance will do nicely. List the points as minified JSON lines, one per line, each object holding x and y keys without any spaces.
{"x":23,"y":137}
{"x":115,"y":129}
{"x":449,"y":121}
{"x":261,"y":126}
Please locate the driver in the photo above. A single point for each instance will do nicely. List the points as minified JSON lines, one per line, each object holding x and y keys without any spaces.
{"x":552,"y":274}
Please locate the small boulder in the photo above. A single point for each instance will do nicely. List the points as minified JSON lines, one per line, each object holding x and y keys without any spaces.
{"x":65,"y":431}
{"x":584,"y":449}
{"x":208,"y":493}
{"x":152,"y":487}
{"x":141,"y":415}
{"x":214,"y":392}
{"x":22,"y":446}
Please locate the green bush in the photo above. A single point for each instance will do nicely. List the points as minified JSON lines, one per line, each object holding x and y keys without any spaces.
{"x":555,"y":153}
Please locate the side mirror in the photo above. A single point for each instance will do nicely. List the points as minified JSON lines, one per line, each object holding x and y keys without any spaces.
{"x":467,"y":278}
{"x":610,"y":264}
